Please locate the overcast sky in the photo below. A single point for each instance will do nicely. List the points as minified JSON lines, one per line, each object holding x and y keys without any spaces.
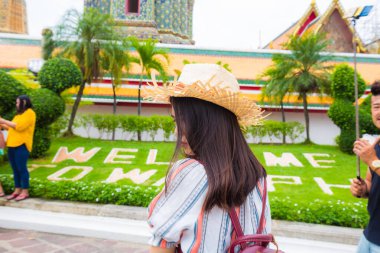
{"x":229,"y":24}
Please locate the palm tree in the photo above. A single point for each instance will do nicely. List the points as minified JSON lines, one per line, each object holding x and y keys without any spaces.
{"x":304,"y":70}
{"x":151,"y":58}
{"x":82,"y":38}
{"x":115,"y":58}
{"x":48,"y":44}
{"x":275,"y":88}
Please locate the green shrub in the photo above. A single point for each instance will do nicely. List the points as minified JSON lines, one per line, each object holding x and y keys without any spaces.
{"x":275,"y":129}
{"x":366,"y":123}
{"x":84,"y":121}
{"x":167,"y":124}
{"x":258,"y":132}
{"x":47,"y":105}
{"x":111,"y":122}
{"x":59,"y":74}
{"x":41,"y":142}
{"x":59,"y":126}
{"x":342,"y":85}
{"x":346,"y":140}
{"x":10,"y":89}
{"x":96,"y":192}
{"x":342,"y":113}
{"x":152,"y":125}
{"x":98,"y":121}
{"x":338,"y":213}
{"x":293,"y":130}
{"x":130,"y":124}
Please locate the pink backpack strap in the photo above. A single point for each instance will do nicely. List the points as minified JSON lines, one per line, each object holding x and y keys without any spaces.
{"x":235,"y":220}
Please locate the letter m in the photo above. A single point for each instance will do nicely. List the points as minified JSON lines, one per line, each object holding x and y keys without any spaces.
{"x":78,"y":154}
{"x":285,"y":160}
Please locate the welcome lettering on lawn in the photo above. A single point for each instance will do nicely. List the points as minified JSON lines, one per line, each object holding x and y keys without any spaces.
{"x":126,"y":155}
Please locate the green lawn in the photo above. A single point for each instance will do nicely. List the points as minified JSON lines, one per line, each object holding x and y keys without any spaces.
{"x":339,"y":174}
{"x":135,"y":182}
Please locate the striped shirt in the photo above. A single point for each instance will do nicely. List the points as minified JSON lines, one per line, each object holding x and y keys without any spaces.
{"x":176,"y":217}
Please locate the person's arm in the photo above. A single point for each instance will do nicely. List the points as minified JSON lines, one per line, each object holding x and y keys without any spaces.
{"x":3,"y":127}
{"x":161,"y":250}
{"x":361,"y":188}
{"x":367,"y":153}
{"x":6,"y":123}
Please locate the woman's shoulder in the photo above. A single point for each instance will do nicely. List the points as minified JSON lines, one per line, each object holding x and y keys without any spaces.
{"x":29,"y":112}
{"x":186,"y":167}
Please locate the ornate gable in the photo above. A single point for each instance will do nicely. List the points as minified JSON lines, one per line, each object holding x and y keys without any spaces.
{"x":333,"y":23}
{"x":297,"y":28}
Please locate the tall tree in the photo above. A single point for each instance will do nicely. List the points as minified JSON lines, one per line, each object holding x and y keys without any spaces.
{"x":276,"y":88}
{"x":115,"y":58}
{"x":151,"y":58}
{"x":82,"y":38}
{"x":48,"y":44}
{"x":304,"y":70}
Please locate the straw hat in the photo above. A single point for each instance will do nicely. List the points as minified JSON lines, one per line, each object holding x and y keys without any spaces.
{"x":212,"y":83}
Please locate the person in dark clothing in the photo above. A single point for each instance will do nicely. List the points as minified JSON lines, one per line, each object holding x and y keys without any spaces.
{"x":370,"y":186}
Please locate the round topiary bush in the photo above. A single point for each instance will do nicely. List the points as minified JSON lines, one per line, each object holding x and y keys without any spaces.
{"x":59,"y":74}
{"x":342,"y":113}
{"x":10,"y":89}
{"x":342,"y":85}
{"x":47,"y":105}
{"x":346,"y":140}
{"x":41,"y":142}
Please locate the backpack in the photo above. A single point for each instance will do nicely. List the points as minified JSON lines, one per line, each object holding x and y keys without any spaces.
{"x":257,"y":243}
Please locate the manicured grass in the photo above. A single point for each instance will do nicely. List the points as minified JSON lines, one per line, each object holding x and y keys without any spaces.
{"x":305,"y":201}
{"x":339,"y":174}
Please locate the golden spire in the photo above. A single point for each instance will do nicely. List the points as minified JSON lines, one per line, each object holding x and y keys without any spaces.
{"x":313,"y":2}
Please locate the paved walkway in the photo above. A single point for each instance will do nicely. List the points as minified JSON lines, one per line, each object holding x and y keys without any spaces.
{"x":25,"y":241}
{"x":124,"y":229}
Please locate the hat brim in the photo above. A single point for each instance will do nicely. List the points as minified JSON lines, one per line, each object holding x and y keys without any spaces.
{"x":246,"y":110}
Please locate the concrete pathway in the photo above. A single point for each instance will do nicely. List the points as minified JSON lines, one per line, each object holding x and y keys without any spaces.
{"x":26,"y":241}
{"x":121,"y":226}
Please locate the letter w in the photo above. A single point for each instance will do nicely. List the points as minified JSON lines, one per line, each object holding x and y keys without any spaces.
{"x":135,"y":175}
{"x":78,"y":154}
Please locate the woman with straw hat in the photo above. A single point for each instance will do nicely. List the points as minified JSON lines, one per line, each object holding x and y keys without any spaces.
{"x":219,"y":172}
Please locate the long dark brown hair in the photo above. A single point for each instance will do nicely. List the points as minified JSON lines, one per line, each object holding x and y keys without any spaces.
{"x":215,"y":137}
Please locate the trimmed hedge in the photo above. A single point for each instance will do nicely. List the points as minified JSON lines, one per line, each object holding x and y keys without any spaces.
{"x":129,"y":124}
{"x":132,"y":124}
{"x":10,"y":89}
{"x":342,"y":85}
{"x":275,"y":130}
{"x":41,"y":142}
{"x":336,"y":213}
{"x":96,"y":192}
{"x":342,"y":111}
{"x":47,"y":105}
{"x":59,"y":74}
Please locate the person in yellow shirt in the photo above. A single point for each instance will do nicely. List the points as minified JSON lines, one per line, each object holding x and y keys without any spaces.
{"x":2,"y":146}
{"x":19,"y":143}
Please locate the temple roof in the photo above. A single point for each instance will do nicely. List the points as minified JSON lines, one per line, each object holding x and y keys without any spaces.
{"x":318,"y":23}
{"x":311,"y":21}
{"x":297,"y":28}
